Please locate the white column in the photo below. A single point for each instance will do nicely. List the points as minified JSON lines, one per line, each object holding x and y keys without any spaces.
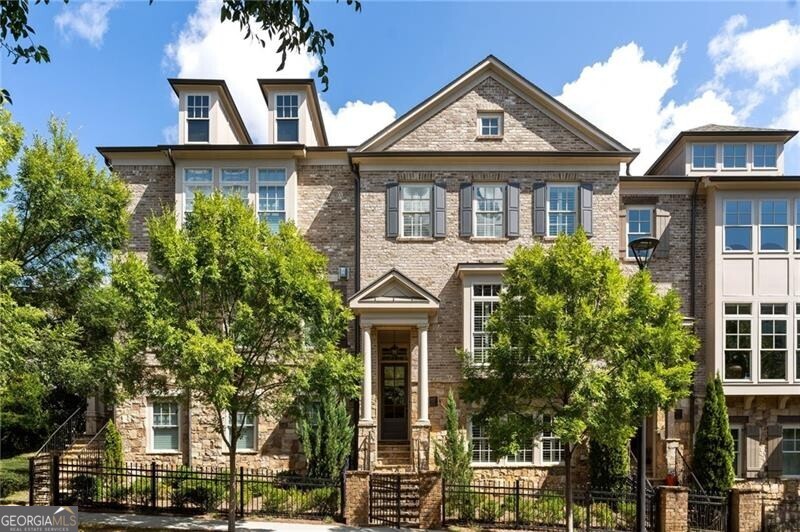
{"x":366,"y":385}
{"x":422,"y":396}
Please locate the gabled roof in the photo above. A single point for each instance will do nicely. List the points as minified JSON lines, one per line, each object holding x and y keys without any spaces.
{"x":393,"y":291}
{"x":225,"y":96}
{"x":311,"y":91}
{"x":461,"y":85}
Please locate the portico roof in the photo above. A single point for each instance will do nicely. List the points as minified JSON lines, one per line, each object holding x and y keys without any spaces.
{"x":391,"y":292}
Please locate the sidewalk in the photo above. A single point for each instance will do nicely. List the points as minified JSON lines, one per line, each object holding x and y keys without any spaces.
{"x":138,"y":522}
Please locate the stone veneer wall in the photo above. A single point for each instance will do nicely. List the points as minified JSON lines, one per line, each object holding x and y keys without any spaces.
{"x":525,"y":126}
{"x":152,"y":188}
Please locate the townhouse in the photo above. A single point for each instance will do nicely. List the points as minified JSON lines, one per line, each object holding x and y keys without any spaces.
{"x":417,"y":221}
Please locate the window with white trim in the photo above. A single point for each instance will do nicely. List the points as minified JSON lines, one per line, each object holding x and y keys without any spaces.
{"x":165,"y":432}
{"x":737,"y":434}
{"x":562,"y":209}
{"x":704,"y":156}
{"x":196,"y":181}
{"x":797,"y":342}
{"x":287,"y":117}
{"x":640,"y":224}
{"x":797,"y":225}
{"x":738,"y":341}
{"x":765,"y":155}
{"x":523,"y":455}
{"x":235,"y":182}
{"x":197,"y":121}
{"x":272,"y":196}
{"x":734,"y":156}
{"x":247,"y":437}
{"x":490,"y":125}
{"x":415,"y":210}
{"x":773,"y":341}
{"x":791,"y":450}
{"x":552,"y":448}
{"x":485,"y":300}
{"x":774,"y":226}
{"x":738,"y":226}
{"x":489,"y":210}
{"x":479,"y":437}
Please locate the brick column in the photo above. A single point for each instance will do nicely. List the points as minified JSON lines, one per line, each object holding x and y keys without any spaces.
{"x":673,"y":508}
{"x":745,"y":509}
{"x":430,"y":500}
{"x":356,"y":497}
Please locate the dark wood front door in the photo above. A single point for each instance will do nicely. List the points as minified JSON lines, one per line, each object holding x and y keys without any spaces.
{"x":394,"y":402}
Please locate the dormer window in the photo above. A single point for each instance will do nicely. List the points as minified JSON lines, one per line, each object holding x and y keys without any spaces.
{"x":734,"y":156}
{"x":765,"y":155}
{"x":490,"y":125}
{"x":197,"y":122}
{"x":704,"y":156}
{"x":287,"y":118}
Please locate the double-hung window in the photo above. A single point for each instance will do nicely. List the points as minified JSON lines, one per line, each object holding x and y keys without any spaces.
{"x":774,"y":227}
{"x":287,"y":117}
{"x":738,"y":341}
{"x":165,"y":431}
{"x":489,"y":210}
{"x":765,"y":155}
{"x":197,"y":121}
{"x":415,"y":208}
{"x":196,"y":181}
{"x":235,"y":182}
{"x":797,"y":342}
{"x":734,"y":156}
{"x":523,"y":455}
{"x":704,"y":156}
{"x":485,"y":300}
{"x":490,"y":125}
{"x":738,"y":225}
{"x":640,"y":224}
{"x":773,"y":341}
{"x":737,"y":434}
{"x":562,"y":209}
{"x":272,"y":196}
{"x":791,"y":451}
{"x":552,"y":448}
{"x":247,"y":437}
{"x":481,"y":450}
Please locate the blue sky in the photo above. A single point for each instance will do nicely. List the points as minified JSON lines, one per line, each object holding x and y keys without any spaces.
{"x":642,"y":71}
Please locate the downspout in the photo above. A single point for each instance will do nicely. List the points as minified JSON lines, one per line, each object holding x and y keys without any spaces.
{"x":357,"y":273}
{"x":692,"y":296}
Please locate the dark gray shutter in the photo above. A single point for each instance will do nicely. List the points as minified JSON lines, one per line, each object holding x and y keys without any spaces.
{"x":752,"y":451}
{"x":512,"y":209}
{"x":774,"y":450}
{"x":539,"y":209}
{"x":439,"y":210}
{"x":662,"y":232}
{"x":586,"y":207}
{"x":465,"y":213}
{"x":392,"y":214}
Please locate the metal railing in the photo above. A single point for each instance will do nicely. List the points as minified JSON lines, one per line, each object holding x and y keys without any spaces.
{"x":95,"y":447}
{"x":708,"y":513}
{"x":40,"y":464}
{"x":385,"y":500}
{"x":64,"y":435}
{"x":685,"y":473}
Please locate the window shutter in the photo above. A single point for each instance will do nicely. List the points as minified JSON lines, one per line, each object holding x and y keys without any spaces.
{"x":752,"y":451}
{"x":512,"y":210}
{"x":465,"y":214}
{"x":774,"y":451}
{"x":392,"y":205}
{"x":623,"y":233}
{"x":539,"y":209}
{"x":586,"y":207}
{"x":662,"y":232}
{"x":439,"y":210}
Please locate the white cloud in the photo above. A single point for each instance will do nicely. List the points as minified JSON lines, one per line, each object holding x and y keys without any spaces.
{"x":89,"y":21}
{"x":790,"y":119}
{"x":206,"y":48}
{"x":625,"y":95}
{"x":170,"y":134}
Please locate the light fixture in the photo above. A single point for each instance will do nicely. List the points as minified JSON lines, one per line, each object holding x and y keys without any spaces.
{"x":643,"y":249}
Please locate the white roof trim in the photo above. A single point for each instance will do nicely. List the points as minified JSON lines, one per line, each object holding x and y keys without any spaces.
{"x":393,"y":291}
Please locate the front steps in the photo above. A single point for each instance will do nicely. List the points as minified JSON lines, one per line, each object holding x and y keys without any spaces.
{"x":408,"y":499}
{"x":394,"y":457}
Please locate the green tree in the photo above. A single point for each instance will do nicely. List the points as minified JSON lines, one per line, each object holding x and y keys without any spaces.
{"x":453,"y":455}
{"x":234,"y":313}
{"x":326,"y":434}
{"x":112,"y":447}
{"x":609,"y":467}
{"x":713,"y":448}
{"x":577,"y":340}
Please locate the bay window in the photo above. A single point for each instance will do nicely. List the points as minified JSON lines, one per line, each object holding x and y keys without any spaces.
{"x":235,"y":182}
{"x":196,"y":181}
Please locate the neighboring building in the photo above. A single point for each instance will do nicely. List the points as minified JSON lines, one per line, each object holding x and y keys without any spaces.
{"x":417,"y":221}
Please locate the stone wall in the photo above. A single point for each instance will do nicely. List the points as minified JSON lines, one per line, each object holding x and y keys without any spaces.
{"x":152,"y":189}
{"x":673,"y":509}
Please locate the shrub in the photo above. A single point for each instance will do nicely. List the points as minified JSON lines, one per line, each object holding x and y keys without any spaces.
{"x":274,"y":500}
{"x":322,"y":500}
{"x":550,"y":510}
{"x":454,"y":455}
{"x":112,"y":449}
{"x":11,"y":481}
{"x":490,"y":510}
{"x":627,"y":514}
{"x":83,"y":488}
{"x":713,"y":453}
{"x":603,"y":516}
{"x":578,"y":515}
{"x":326,"y":434}
{"x":203,"y":494}
{"x":609,"y":467}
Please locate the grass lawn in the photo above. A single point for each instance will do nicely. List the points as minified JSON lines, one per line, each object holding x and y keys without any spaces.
{"x":14,"y":479}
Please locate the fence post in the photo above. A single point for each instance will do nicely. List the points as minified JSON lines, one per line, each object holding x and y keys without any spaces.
{"x":516,"y":503}
{"x":31,"y":476}
{"x":55,"y":490}
{"x":397,"y":492}
{"x":152,"y":484}
{"x":444,"y":501}
{"x":342,"y":492}
{"x":241,"y":491}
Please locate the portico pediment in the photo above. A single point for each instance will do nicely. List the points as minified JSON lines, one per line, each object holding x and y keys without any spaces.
{"x":393,"y":291}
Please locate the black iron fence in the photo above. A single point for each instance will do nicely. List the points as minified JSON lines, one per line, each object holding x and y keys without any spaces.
{"x":385,"y":501}
{"x":708,"y":512}
{"x":519,"y":504}
{"x":178,"y":489}
{"x":781,"y":515}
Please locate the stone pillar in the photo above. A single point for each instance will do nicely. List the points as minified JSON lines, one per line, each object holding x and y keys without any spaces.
{"x":745,"y":509}
{"x":356,"y":498}
{"x":422,"y":395}
{"x":366,"y":386}
{"x":421,"y":449}
{"x":430,"y":500}
{"x":673,"y":508}
{"x":672,"y":447}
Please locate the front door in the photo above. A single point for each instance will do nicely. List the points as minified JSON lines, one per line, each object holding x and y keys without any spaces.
{"x":393,"y":423}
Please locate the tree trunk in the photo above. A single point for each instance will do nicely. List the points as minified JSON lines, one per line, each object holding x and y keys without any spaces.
{"x":568,"y":490}
{"x":232,"y":499}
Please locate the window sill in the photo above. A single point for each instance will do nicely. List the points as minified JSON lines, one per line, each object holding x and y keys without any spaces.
{"x":242,"y":452}
{"x":152,"y":451}
{"x":500,"y":465}
{"x":499,"y":239}
{"x":489,"y":138}
{"x":415,"y":239}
